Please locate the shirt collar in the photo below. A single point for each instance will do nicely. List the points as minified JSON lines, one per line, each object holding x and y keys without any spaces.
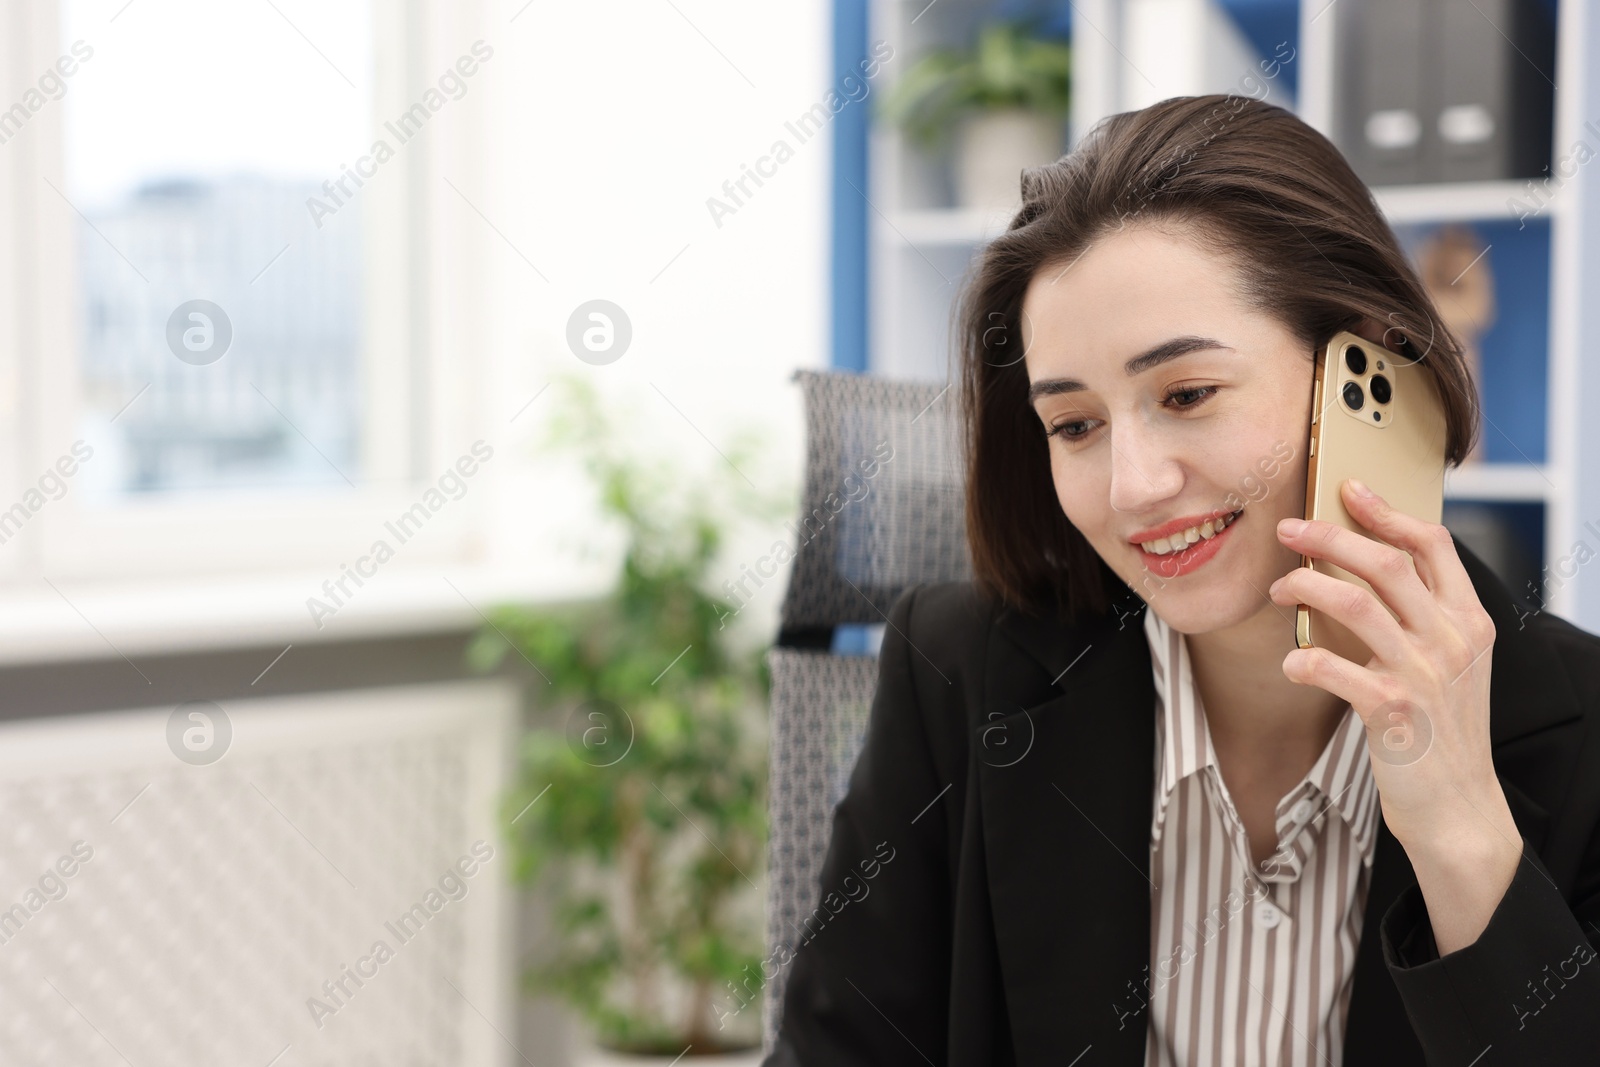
{"x":1341,"y":774}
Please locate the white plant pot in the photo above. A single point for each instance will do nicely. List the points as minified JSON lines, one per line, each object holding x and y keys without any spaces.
{"x":588,"y":1054}
{"x":995,"y":147}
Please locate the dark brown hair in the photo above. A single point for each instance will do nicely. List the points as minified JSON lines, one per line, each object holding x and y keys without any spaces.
{"x":1252,"y":182}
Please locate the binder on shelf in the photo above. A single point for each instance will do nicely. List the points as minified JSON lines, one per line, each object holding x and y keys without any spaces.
{"x":1378,"y":72}
{"x":1494,"y":109}
{"x":1444,"y":90}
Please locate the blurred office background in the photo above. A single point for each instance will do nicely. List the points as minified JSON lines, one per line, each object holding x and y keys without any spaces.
{"x":295,"y":297}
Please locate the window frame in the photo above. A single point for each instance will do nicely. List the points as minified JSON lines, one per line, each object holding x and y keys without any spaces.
{"x":424,"y":296}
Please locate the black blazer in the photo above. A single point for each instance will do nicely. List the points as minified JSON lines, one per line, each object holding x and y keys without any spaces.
{"x":1007,"y":776}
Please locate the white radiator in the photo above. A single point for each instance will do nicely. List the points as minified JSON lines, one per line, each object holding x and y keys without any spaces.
{"x":157,"y":911}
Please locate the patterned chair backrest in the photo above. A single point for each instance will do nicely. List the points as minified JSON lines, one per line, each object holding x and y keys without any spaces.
{"x":819,"y":716}
{"x":883,"y":510}
{"x":884,"y":499}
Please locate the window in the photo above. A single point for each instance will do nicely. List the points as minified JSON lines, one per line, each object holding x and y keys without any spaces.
{"x":218,"y":316}
{"x":222,"y":305}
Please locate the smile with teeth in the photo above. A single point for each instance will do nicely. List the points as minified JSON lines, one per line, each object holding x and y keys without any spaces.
{"x":1205,"y":531}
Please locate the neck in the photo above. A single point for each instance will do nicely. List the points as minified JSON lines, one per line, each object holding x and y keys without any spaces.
{"x":1251,"y":709}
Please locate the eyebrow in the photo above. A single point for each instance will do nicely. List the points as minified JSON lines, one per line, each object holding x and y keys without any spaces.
{"x":1161,"y":353}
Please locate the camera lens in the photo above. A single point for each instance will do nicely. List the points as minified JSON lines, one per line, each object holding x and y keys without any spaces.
{"x":1353,"y":396}
{"x":1355,"y":359}
{"x":1380,"y":388}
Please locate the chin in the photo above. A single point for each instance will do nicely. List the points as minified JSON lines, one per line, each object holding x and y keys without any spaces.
{"x":1200,"y":613}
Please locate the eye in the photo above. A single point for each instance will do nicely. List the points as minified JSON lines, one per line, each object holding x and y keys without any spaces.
{"x":1181,"y":399}
{"x":1204,"y":392}
{"x":1062,"y":430}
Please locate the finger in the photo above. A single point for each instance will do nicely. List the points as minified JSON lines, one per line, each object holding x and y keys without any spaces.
{"x":1357,"y":608}
{"x":1359,"y":686}
{"x":1389,"y":570}
{"x":1433,"y":550}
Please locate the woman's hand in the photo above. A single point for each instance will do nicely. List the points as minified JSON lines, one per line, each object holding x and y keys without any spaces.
{"x":1424,"y":694}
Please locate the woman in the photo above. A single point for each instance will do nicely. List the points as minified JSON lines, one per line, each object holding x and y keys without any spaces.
{"x":1129,"y":822}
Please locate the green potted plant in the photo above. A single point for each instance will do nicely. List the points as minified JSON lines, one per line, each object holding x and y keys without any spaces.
{"x":643,"y":813}
{"x":1004,"y":101}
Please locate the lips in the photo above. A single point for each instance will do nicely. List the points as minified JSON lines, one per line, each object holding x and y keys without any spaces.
{"x":1185,"y":560}
{"x":1167,"y":529}
{"x":1178,"y":542}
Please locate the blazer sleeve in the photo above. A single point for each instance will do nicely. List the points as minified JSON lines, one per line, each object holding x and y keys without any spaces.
{"x":869,"y":980}
{"x":1528,"y":987}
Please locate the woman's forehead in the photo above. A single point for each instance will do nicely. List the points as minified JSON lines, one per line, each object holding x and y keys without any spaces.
{"x":1137,"y":263}
{"x":1062,"y":334}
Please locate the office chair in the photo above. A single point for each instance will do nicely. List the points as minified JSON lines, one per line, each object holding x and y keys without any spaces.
{"x":882,"y":510}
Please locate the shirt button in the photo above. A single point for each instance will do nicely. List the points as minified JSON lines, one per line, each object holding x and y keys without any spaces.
{"x":1303,"y":810}
{"x":1267,"y":915}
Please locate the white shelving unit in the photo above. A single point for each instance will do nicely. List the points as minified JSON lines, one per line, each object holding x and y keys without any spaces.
{"x":1572,"y":381}
{"x":921,"y":246}
{"x":918,"y":248}
{"x":1456,"y":201}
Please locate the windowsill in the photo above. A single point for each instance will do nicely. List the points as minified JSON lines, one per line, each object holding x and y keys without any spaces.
{"x":134,"y":619}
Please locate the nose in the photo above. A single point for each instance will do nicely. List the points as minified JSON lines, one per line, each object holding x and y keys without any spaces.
{"x":1144,"y":470}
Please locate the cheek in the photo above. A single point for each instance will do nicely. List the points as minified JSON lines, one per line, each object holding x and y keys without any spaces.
{"x":1081,"y":493}
{"x":1272,"y":477}
{"x":1281,"y":463}
{"x":1291,"y":487}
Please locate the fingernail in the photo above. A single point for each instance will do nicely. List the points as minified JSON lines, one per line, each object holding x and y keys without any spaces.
{"x":1360,"y":488}
{"x":1291,"y":526}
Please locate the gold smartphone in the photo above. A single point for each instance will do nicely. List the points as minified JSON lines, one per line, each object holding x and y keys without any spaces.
{"x":1379,"y":417}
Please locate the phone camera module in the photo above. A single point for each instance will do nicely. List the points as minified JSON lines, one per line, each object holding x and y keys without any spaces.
{"x":1354,"y":398}
{"x":1355,"y":359}
{"x":1380,"y":388}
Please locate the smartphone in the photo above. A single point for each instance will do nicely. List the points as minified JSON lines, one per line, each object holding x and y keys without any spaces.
{"x":1379,"y":417}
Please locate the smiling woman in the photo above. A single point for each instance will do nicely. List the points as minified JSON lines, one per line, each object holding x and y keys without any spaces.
{"x":1148,"y":449}
{"x":1261,"y":232}
{"x":1170,"y":282}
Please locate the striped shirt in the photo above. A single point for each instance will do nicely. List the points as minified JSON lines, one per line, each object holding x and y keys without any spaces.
{"x":1250,"y":966}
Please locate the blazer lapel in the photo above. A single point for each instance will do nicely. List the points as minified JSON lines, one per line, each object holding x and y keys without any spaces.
{"x":1065,"y":770}
{"x":1066,"y":767}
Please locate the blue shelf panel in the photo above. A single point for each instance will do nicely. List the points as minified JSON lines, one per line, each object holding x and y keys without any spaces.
{"x":1516,"y":347}
{"x":1266,"y":23}
{"x":857,"y":639}
{"x":848,"y":246}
